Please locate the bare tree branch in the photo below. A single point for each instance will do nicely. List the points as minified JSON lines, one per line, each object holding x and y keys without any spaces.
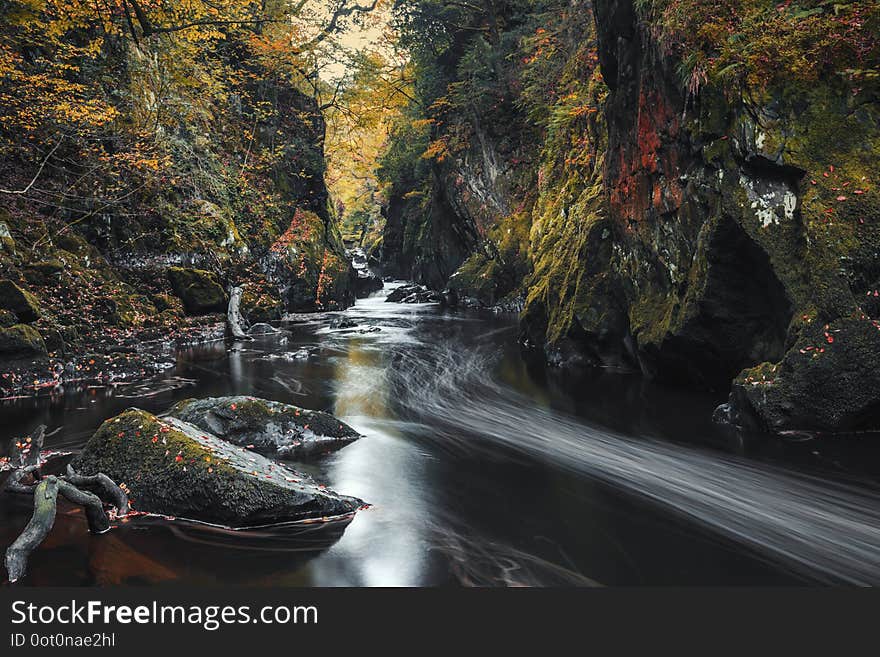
{"x":37,"y":175}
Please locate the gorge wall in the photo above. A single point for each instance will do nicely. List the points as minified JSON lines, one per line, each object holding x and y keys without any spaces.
{"x":663,"y":197}
{"x":168,"y":167}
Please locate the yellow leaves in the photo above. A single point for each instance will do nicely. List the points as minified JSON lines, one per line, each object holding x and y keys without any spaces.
{"x":437,"y":150}
{"x":582,"y":110}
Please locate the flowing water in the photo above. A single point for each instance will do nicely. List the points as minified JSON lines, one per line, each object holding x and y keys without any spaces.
{"x":482,"y":469}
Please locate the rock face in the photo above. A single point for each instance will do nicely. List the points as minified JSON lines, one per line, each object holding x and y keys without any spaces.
{"x":366,"y":280}
{"x":173,"y":468}
{"x":269,"y":427}
{"x":198,"y":290}
{"x":87,"y":280}
{"x":706,"y":228}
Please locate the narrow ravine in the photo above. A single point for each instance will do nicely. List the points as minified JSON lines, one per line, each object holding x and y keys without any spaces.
{"x":476,"y":471}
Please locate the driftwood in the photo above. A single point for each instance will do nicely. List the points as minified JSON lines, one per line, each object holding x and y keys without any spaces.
{"x":73,"y":487}
{"x":234,"y":320}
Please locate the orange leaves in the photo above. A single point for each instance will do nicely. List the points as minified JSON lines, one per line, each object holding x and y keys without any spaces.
{"x":437,"y":150}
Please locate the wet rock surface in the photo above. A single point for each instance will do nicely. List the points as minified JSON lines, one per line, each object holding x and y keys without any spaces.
{"x":366,"y":280}
{"x":174,"y":468}
{"x":269,"y":427}
{"x":413,"y":294}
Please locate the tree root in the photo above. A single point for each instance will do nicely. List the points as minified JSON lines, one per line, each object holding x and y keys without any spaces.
{"x":41,"y":523}
{"x":85,"y":491}
{"x":13,"y":482}
{"x":103,"y":486}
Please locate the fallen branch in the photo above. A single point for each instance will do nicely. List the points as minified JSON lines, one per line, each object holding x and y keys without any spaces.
{"x":36,"y":175}
{"x":95,"y":514}
{"x":74,"y":487}
{"x":13,"y":482}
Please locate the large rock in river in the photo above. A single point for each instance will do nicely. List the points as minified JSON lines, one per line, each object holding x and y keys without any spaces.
{"x":173,"y":468}
{"x":266,"y":426}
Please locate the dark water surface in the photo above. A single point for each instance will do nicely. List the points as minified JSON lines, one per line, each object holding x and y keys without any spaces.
{"x":481,"y":469}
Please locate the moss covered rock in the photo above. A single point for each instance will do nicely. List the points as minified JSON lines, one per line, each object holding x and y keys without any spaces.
{"x":261,"y":306}
{"x":174,"y":468}
{"x":24,"y":304}
{"x":164,"y":302}
{"x":198,"y":290}
{"x":268,"y":426}
{"x":21,"y":341}
{"x":829,"y":381}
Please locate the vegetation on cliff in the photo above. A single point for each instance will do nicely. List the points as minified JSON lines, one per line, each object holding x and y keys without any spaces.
{"x":137,"y":136}
{"x":697,"y":182}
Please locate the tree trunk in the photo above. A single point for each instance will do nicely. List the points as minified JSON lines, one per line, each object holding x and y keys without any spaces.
{"x":234,"y":321}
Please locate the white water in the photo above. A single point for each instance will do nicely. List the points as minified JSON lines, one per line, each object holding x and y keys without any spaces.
{"x":827,"y":529}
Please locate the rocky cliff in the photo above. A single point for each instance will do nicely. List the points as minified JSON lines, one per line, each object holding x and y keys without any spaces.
{"x":167,"y":169}
{"x":697,"y":206}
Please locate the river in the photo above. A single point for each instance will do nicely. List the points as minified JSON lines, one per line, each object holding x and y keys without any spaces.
{"x":482,"y":468}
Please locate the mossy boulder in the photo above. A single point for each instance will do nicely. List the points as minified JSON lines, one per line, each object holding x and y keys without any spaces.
{"x":828,"y":382}
{"x":198,"y":290}
{"x":20,"y":342}
{"x":43,"y":272}
{"x":164,"y":302}
{"x":24,"y":304}
{"x":174,"y":468}
{"x":267,"y":426}
{"x":261,"y":306}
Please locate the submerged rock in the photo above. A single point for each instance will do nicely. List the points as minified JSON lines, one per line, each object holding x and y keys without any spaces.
{"x":173,"y":468}
{"x":269,"y":427}
{"x":262,"y":329}
{"x":342,"y":323}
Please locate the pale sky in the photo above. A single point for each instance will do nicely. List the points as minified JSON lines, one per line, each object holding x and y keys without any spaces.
{"x":368,"y":36}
